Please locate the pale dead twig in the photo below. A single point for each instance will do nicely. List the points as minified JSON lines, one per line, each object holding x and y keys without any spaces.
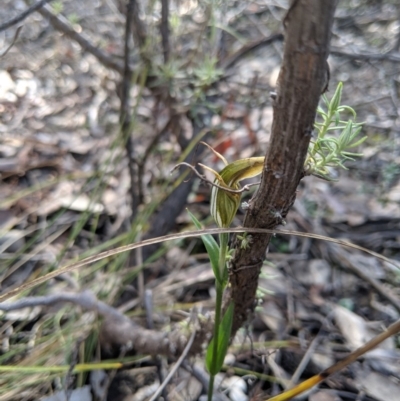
{"x":17,"y":32}
{"x":85,"y":299}
{"x":26,"y":257}
{"x":176,"y":366}
{"x":304,"y":362}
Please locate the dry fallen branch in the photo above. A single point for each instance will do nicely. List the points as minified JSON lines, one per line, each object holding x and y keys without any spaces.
{"x":119,"y":331}
{"x":86,"y":300}
{"x":23,"y":15}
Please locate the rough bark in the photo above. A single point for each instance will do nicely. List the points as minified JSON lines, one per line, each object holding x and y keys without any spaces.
{"x":302,"y":78}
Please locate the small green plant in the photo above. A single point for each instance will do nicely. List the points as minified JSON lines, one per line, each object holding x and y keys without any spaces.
{"x":58,"y":7}
{"x":328,"y":150}
{"x":325,"y":152}
{"x":207,"y":72}
{"x":73,"y":18}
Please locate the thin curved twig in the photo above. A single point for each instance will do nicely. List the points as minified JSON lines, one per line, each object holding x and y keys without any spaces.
{"x":176,"y":366}
{"x":185,"y":234}
{"x":62,"y":24}
{"x":125,"y":114}
{"x":17,"y":32}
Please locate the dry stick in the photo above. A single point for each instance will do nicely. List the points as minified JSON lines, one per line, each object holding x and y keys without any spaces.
{"x":304,"y":362}
{"x":239,"y":54}
{"x":85,"y":299}
{"x":124,"y":331}
{"x":142,"y":162}
{"x":300,"y":83}
{"x":26,"y":257}
{"x":139,"y":31}
{"x":308,"y":384}
{"x":344,"y":259}
{"x":17,"y":32}
{"x":23,"y":15}
{"x":360,"y":55}
{"x":125,"y":114}
{"x":164,"y":29}
{"x":176,"y":367}
{"x":336,"y":51}
{"x":62,"y":24}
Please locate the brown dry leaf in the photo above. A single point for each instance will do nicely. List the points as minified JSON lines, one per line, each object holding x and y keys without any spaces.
{"x":81,"y":203}
{"x":385,"y":361}
{"x":272,"y":316}
{"x":378,"y":386}
{"x":64,"y":196}
{"x":355,"y":329}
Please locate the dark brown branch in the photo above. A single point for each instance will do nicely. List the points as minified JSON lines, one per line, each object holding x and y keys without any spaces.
{"x":61,"y":24}
{"x":139,"y":30}
{"x":336,"y":51}
{"x":300,"y":83}
{"x":23,"y":15}
{"x":164,"y":29}
{"x":125,"y":114}
{"x":234,"y":58}
{"x":360,"y":55}
{"x":164,"y":219}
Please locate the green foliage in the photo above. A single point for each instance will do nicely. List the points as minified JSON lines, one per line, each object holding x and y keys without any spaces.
{"x":212,"y":249}
{"x":213,"y":364}
{"x":224,"y":204}
{"x":330,"y":149}
{"x":58,"y":7}
{"x":73,"y":18}
{"x":207,"y":72}
{"x":335,"y":137}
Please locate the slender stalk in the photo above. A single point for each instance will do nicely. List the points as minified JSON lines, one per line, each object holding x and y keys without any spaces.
{"x":219,"y":285}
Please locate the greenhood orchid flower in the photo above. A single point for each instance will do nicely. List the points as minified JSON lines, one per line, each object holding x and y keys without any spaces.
{"x":224,"y":204}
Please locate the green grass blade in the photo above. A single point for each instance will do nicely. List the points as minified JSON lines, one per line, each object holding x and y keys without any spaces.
{"x":223,"y":342}
{"x":212,"y":248}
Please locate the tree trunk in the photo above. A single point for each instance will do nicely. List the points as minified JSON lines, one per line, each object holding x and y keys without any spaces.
{"x":302,"y":79}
